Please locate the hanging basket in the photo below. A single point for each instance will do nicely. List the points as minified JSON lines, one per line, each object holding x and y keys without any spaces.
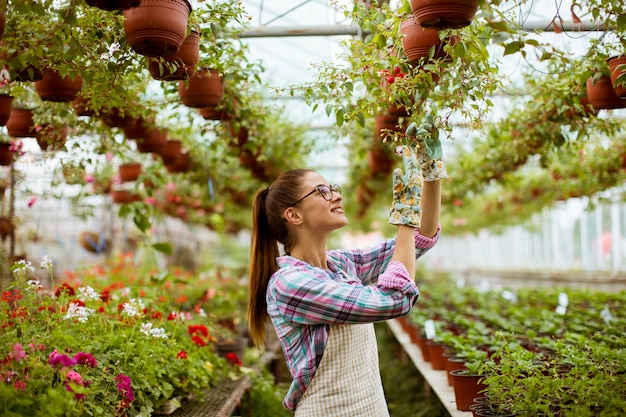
{"x":157,"y":27}
{"x":116,"y":117}
{"x":602,"y":95}
{"x":56,"y":88}
{"x":154,"y":142}
{"x":129,"y":171}
{"x":617,"y":68}
{"x":417,"y":42}
{"x":5,"y":108}
{"x":20,"y":123}
{"x":6,"y":154}
{"x":51,"y":138}
{"x":183,"y":164}
{"x":444,"y":14}
{"x":181,"y":65}
{"x":204,"y":89}
{"x":81,"y":106}
{"x":139,"y":129}
{"x":171,"y":151}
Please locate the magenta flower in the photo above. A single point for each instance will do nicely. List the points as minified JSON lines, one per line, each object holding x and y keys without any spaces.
{"x":18,"y":353}
{"x":31,"y":202}
{"x":87,"y":359}
{"x":124,"y":388}
{"x":76,"y":378}
{"x":58,"y":359}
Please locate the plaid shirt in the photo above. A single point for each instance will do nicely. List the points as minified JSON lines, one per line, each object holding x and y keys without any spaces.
{"x":359,"y":286}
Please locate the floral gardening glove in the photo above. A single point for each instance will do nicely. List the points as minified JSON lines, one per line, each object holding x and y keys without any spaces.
{"x":407,"y":191}
{"x":429,"y":153}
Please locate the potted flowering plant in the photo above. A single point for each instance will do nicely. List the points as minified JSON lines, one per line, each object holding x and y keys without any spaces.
{"x":73,"y":350}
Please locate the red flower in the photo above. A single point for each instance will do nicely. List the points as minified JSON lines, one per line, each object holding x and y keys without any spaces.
{"x":198,"y":340}
{"x":181,"y":355}
{"x":157,"y":315}
{"x":233,"y":359}
{"x":105,"y":296}
{"x":65,"y":288}
{"x":195,"y":329}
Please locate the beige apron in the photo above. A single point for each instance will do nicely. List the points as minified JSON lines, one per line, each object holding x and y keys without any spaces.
{"x":347,"y":382}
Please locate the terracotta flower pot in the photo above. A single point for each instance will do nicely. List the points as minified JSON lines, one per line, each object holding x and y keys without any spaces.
{"x":122,"y":196}
{"x":171,"y":151}
{"x":54,"y":87}
{"x":444,"y":14}
{"x":110,"y":5}
{"x":51,"y":138}
{"x":6,"y":227}
{"x":617,"y":68}
{"x":204,"y":89}
{"x":154,"y":142}
{"x":181,"y":65}
{"x":81,"y":106}
{"x":20,"y":123}
{"x":183,"y":164}
{"x":466,"y":388}
{"x":602,"y":95}
{"x":129,"y":171}
{"x":139,"y":129}
{"x":5,"y":108}
{"x":157,"y":27}
{"x":212,"y":113}
{"x":417,"y":42}
{"x":116,"y":117}
{"x":435,"y":353}
{"x":6,"y":154}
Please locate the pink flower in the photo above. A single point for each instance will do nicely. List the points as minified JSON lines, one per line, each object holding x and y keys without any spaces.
{"x":124,"y":387}
{"x":57,"y":359}
{"x":150,"y":200}
{"x":31,"y":202}
{"x":87,"y":359}
{"x":19,"y":385}
{"x":89,"y":179}
{"x":74,"y":377}
{"x":18,"y":353}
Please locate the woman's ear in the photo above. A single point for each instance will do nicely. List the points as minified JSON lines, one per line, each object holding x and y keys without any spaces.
{"x":292,"y":216}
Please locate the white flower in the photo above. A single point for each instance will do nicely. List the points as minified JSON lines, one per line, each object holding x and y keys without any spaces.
{"x":88,"y":293}
{"x":201,"y":312}
{"x":159,"y":333}
{"x":46,"y":263}
{"x":134,"y":307}
{"x":78,"y":312}
{"x":146,"y":328}
{"x":34,"y":284}
{"x":22,"y":266}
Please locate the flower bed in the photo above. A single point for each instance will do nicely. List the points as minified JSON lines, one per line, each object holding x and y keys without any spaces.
{"x":541,"y":352}
{"x":111,"y":340}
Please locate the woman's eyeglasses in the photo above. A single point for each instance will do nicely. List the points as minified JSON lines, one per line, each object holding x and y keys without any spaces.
{"x":325,"y":191}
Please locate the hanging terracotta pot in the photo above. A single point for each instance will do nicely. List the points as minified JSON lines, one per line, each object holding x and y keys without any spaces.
{"x":179,"y":66}
{"x":171,"y":151}
{"x":54,"y":87}
{"x":153,"y":142}
{"x":5,"y":108}
{"x":212,"y":113}
{"x":444,"y":14}
{"x":417,"y":42}
{"x":6,"y":154}
{"x":157,"y":27}
{"x":81,"y":106}
{"x":116,"y":117}
{"x":121,"y":196}
{"x":183,"y":164}
{"x":51,"y":138}
{"x":204,"y":89}
{"x":602,"y":95}
{"x":6,"y":227}
{"x":129,"y":171}
{"x":20,"y":123}
{"x":139,"y":129}
{"x":617,"y":68}
{"x":110,"y":5}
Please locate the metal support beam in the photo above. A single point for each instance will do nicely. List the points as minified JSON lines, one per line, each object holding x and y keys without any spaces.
{"x":354,"y":30}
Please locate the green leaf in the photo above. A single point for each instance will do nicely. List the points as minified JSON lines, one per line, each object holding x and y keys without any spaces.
{"x":512,"y":48}
{"x":163,"y":247}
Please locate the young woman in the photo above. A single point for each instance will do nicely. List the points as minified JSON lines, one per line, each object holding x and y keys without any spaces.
{"x":323,"y":303}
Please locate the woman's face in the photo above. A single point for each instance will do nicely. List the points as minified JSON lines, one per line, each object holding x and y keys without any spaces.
{"x":316,"y":211}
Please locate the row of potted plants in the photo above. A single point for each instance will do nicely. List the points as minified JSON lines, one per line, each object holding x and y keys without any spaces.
{"x":533,"y":351}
